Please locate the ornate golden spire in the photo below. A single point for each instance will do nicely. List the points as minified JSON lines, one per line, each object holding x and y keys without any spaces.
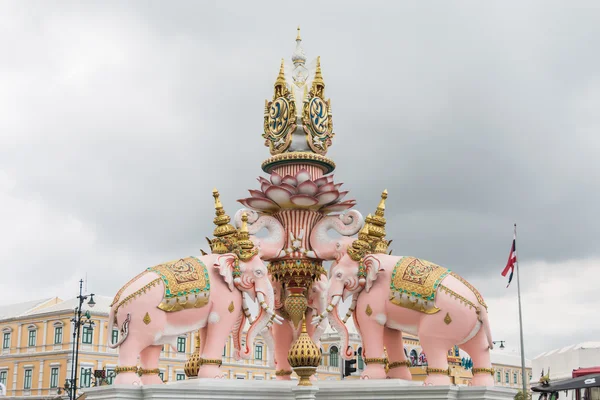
{"x":246,"y":248}
{"x":280,"y":85}
{"x":223,"y":230}
{"x":361,"y":246}
{"x":377,"y":231}
{"x":298,"y":37}
{"x":318,"y":84}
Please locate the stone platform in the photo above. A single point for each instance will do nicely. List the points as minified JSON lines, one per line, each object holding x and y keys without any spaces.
{"x":215,"y":389}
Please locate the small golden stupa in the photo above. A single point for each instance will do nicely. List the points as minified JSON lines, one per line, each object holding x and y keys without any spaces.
{"x":304,"y":357}
{"x":192,"y":366}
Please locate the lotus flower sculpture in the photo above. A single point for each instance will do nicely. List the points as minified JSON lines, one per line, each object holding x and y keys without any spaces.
{"x":298,"y":192}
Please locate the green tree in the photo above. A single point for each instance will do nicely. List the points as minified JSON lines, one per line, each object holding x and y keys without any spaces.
{"x":521,"y":396}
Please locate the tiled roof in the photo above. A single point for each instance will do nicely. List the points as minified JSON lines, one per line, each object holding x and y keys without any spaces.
{"x":19,"y":309}
{"x":102,"y":305}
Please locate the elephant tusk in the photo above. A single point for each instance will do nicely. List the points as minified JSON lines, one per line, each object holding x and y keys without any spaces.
{"x":334,"y":302}
{"x":351,"y":309}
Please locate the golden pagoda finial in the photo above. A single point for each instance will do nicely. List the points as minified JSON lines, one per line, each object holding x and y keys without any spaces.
{"x":245,"y":250}
{"x":377,"y":231}
{"x":298,"y":37}
{"x":318,"y":84}
{"x":381,"y":207}
{"x":280,"y":85}
{"x":360,"y":247}
{"x":223,"y":229}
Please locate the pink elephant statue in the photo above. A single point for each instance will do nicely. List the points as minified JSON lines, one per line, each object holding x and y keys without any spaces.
{"x":204,"y":294}
{"x":392,"y":294}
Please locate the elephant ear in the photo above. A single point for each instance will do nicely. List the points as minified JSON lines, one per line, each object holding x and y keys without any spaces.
{"x":373,"y":266}
{"x":225,"y":265}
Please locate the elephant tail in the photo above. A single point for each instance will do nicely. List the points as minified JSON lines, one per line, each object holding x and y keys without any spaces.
{"x":486,"y":326}
{"x":124,"y":331}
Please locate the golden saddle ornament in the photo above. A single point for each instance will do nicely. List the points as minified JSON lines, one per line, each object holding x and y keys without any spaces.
{"x":414,"y":284}
{"x":186,"y":282}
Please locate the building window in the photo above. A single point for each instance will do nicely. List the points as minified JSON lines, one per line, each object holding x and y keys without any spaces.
{"x":54,"y":378}
{"x":360,"y":361}
{"x":224,"y":351}
{"x":57,"y":334}
{"x":6,"y":340}
{"x":161,"y":375}
{"x":115,"y":336}
{"x":3,"y":377}
{"x":333,"y":357}
{"x":110,"y":375}
{"x":181,"y":345}
{"x":32,"y":336}
{"x":515,"y":381}
{"x":27,"y":381}
{"x":86,"y":336}
{"x":258,"y":352}
{"x":86,"y":377}
{"x":322,"y":358}
{"x":498,"y":376}
{"x":506,"y":377}
{"x":180,"y":377}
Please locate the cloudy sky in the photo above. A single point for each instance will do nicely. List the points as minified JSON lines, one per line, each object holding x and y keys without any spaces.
{"x":117,"y":120}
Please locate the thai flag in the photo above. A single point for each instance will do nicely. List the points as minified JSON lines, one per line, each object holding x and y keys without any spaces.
{"x":512,"y":259}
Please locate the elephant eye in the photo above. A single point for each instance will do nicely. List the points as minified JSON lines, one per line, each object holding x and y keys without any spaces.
{"x":338,"y":275}
{"x":258,"y":272}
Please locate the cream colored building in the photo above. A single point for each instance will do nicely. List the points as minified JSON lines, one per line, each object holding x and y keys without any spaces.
{"x":37,"y":350}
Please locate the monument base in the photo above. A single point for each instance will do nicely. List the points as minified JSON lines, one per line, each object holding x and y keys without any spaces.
{"x":217,"y":389}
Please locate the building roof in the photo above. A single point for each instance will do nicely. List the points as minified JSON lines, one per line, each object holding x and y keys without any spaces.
{"x":16,"y":310}
{"x":102,"y":305}
{"x":508,"y":358}
{"x":580,"y":346}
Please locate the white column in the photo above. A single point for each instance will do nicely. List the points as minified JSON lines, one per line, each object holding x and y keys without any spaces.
{"x":15,"y":372}
{"x":45,"y":332}
{"x":170,"y":374}
{"x":41,"y":377}
{"x":19,"y":338}
{"x":101,"y":336}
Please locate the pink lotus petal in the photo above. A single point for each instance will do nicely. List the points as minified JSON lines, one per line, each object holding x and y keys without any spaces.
{"x":264,"y":186}
{"x":327,"y":197}
{"x":308,"y":187}
{"x":290,"y":188}
{"x":261,"y":204}
{"x":275,"y":178}
{"x":303,"y":175}
{"x":279,"y":195}
{"x":244,"y":202}
{"x":321,"y":181}
{"x":341,"y":196}
{"x":303,"y":200}
{"x":338,"y":186}
{"x":353,"y":202}
{"x":290,"y":180}
{"x":327,"y":188}
{"x":257,"y":194}
{"x":329,"y":178}
{"x":262,"y":180}
{"x":336,"y":208}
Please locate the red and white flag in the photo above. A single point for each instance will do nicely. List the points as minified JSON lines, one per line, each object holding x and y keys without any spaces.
{"x":512,"y":259}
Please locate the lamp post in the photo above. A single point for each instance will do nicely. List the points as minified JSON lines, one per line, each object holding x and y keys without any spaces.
{"x":501,"y":344}
{"x":78,"y":321}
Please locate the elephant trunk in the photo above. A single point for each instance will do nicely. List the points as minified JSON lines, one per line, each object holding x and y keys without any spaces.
{"x":264,"y":318}
{"x":345,"y":224}
{"x":267,"y":335}
{"x":237,"y":333}
{"x":346,"y":351}
{"x":270,"y":246}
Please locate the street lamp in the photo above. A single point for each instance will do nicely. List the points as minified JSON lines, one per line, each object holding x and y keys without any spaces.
{"x":78,"y":321}
{"x":501,"y":344}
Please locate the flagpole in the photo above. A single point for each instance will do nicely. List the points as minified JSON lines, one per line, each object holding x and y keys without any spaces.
{"x":520,"y":319}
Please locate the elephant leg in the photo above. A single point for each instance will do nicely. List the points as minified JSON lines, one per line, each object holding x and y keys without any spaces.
{"x":220,"y":325}
{"x":202,"y":334}
{"x":394,"y":344}
{"x":436,"y":349}
{"x":373,"y":352}
{"x":480,"y":354}
{"x":129,"y":351}
{"x":283,"y":335}
{"x":149,"y":361}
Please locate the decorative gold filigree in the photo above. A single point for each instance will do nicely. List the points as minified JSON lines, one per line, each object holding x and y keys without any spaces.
{"x":120,"y":370}
{"x":462,"y":299}
{"x":120,"y":292}
{"x":245,"y":249}
{"x":280,"y":116}
{"x":368,"y":310}
{"x":483,"y":371}
{"x":304,"y":356}
{"x":192,"y":365}
{"x":137,"y":293}
{"x":142,"y":371}
{"x":438,"y":371}
{"x":316,"y":115}
{"x":376,"y":361}
{"x":147,"y":319}
{"x":447,"y":319}
{"x":471,"y":287}
{"x":231,"y":307}
{"x":309,"y":158}
{"x":211,"y":361}
{"x":186,"y":282}
{"x":283,"y":372}
{"x":397,"y":364}
{"x":296,"y":268}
